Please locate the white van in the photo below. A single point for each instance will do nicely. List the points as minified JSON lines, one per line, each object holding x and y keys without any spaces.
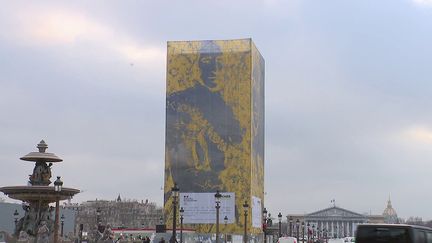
{"x":287,"y":239}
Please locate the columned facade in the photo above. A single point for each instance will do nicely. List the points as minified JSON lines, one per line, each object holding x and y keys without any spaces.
{"x":333,"y":222}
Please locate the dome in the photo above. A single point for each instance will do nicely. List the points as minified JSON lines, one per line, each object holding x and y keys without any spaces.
{"x":390,"y":215}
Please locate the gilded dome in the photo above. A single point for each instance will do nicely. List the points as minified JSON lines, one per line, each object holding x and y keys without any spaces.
{"x":390,"y":215}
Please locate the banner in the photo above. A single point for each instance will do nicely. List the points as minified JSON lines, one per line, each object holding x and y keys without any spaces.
{"x":256,"y":212}
{"x":200,"y":208}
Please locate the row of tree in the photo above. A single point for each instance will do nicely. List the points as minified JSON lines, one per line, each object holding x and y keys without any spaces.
{"x":416,"y":221}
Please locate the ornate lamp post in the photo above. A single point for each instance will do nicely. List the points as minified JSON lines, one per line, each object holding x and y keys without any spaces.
{"x":16,"y":215}
{"x":290,"y":225}
{"x":217,"y":200}
{"x":303,"y":229}
{"x":181,"y":224}
{"x":325,"y":234}
{"x":58,"y":185}
{"x":175,"y":194}
{"x":297,"y":227}
{"x":98,"y":213}
{"x":313,"y":233}
{"x":308,"y":231}
{"x":226,"y":222}
{"x":62,"y":219}
{"x":265,"y":224}
{"x":318,"y":233}
{"x":245,"y":208}
{"x":280,"y":224}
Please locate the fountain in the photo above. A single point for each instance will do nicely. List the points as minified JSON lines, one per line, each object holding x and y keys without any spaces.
{"x":38,"y":222}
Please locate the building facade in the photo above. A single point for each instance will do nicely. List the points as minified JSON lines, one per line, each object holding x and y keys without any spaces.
{"x":332,"y":222}
{"x":116,"y":213}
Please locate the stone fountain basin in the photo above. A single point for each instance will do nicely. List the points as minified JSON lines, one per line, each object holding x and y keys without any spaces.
{"x":36,"y":193}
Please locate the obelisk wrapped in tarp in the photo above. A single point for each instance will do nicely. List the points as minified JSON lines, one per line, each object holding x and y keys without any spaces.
{"x":215,"y":132}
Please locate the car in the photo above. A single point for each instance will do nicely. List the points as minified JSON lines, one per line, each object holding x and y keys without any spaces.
{"x":287,"y":239}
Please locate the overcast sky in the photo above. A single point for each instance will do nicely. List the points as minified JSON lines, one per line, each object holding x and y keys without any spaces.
{"x":348,"y":95}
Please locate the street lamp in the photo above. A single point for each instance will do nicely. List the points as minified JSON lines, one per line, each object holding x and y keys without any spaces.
{"x":265,"y":225}
{"x":308,"y":231}
{"x":181,"y":224}
{"x":245,"y":208}
{"x":226,"y":222}
{"x":303,"y":231}
{"x":217,"y":200}
{"x":175,"y":194}
{"x":58,"y":185}
{"x":297,"y":226}
{"x":98,"y":213}
{"x":290,"y":225}
{"x":280,"y":224}
{"x":313,"y":233}
{"x":16,"y":215}
{"x":62,"y":218}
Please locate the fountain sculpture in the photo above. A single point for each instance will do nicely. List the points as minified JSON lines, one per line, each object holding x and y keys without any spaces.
{"x":38,"y":222}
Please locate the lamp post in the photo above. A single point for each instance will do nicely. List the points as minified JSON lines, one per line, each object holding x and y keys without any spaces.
{"x":175,"y":194}
{"x":297,"y":227}
{"x":98,"y":213}
{"x":290,"y":225}
{"x":62,"y":219}
{"x":280,"y":224}
{"x":318,"y":233}
{"x":58,"y":184}
{"x":308,"y":231}
{"x":245,"y":208}
{"x":16,"y":215}
{"x":181,"y":224}
{"x":325,"y":234}
{"x":217,"y":200}
{"x":226,"y":223}
{"x":303,"y":231}
{"x":313,"y":233}
{"x":265,"y":224}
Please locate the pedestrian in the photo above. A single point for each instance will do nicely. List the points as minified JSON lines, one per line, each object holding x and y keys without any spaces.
{"x":162,"y":240}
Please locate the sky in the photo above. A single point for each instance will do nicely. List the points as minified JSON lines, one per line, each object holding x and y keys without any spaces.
{"x":348,"y":96}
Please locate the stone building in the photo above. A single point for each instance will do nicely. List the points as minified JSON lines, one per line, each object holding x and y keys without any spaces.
{"x":332,"y":222}
{"x":117,"y":213}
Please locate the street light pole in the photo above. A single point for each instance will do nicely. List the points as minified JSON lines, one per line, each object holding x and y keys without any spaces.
{"x":245,"y":208}
{"x":265,"y":225}
{"x":181,"y":224}
{"x":308,"y":231}
{"x":98,"y":213}
{"x":58,"y":184}
{"x":217,"y":200}
{"x":303,"y":228}
{"x":290,"y":225}
{"x":297,"y":227}
{"x":313,"y":233}
{"x":225,"y":229}
{"x":280,"y":224}
{"x":16,"y":215}
{"x":175,"y":193}
{"x":62,"y":218}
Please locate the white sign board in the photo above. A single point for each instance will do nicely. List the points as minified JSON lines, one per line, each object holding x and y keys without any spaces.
{"x":200,"y":208}
{"x":256,"y":212}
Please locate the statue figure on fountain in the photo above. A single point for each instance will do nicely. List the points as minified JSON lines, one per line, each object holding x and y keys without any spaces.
{"x":43,"y":233}
{"x":41,"y":174}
